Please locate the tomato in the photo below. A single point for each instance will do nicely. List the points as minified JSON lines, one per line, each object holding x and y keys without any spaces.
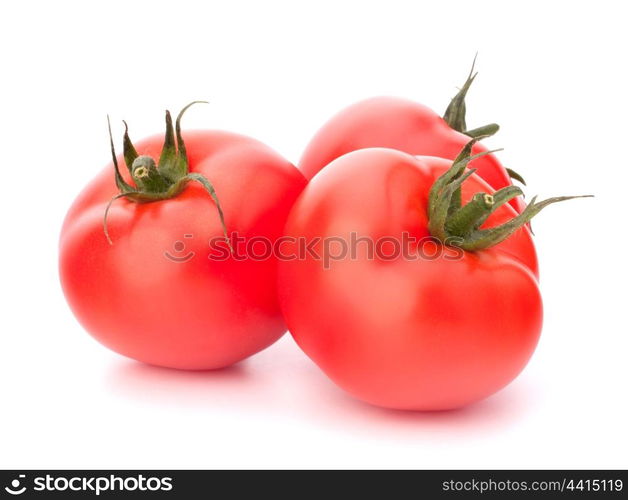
{"x":408,"y":126}
{"x":435,"y":328}
{"x":152,"y":293}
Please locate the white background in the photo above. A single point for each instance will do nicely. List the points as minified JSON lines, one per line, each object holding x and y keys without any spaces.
{"x":552,"y":74}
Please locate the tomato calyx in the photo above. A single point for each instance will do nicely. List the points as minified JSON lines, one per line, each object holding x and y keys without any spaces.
{"x":161,"y":181}
{"x":460,"y":225}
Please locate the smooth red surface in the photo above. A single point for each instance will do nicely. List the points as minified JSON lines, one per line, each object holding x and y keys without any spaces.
{"x":200,"y":314}
{"x":422,"y":334}
{"x":395,"y":123}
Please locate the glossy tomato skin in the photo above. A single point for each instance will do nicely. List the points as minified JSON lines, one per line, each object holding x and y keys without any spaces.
{"x":407,"y":334}
{"x":154,"y":295}
{"x":396,"y":123}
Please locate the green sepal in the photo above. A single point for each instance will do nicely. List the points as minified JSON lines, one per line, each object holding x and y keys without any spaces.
{"x":455,"y":114}
{"x":202,"y":180}
{"x":481,"y":239}
{"x":168,"y":158}
{"x":514,"y":175}
{"x":460,"y":226}
{"x":440,"y":212}
{"x":130,"y":154}
{"x":182,"y":164}
{"x":484,"y":131}
{"x":121,"y":184}
{"x":456,"y":169}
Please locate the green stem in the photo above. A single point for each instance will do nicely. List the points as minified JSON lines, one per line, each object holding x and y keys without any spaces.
{"x":463,"y":221}
{"x":440,"y":213}
{"x":500,"y":198}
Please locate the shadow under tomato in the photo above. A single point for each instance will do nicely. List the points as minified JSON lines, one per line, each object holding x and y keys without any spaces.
{"x":499,"y":412}
{"x":282,"y":381}
{"x":156,"y":385}
{"x":318,"y":399}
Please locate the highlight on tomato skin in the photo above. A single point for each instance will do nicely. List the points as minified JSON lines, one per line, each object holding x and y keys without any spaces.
{"x":417,"y":332}
{"x":141,"y":283}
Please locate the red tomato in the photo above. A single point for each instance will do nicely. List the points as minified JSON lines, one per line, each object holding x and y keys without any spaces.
{"x":154,"y":295}
{"x":420,"y":334}
{"x":401,"y":124}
